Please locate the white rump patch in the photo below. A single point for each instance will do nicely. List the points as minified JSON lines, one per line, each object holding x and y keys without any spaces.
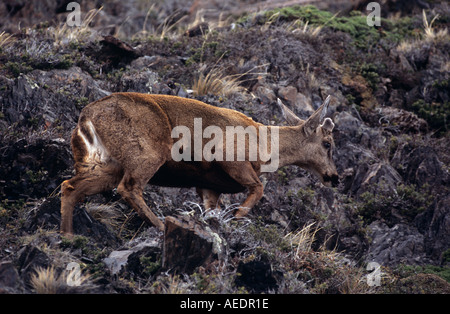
{"x":97,"y":152}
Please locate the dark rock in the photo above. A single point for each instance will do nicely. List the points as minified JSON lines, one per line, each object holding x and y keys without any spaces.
{"x":136,"y":259}
{"x":434,"y":224}
{"x":198,"y":30}
{"x":26,"y":13}
{"x":354,"y":141}
{"x":188,"y":244}
{"x":142,"y":81}
{"x":10,"y":281}
{"x":50,"y":98}
{"x":379,"y":173}
{"x":30,"y":259}
{"x":296,"y":100}
{"x":145,"y":62}
{"x":265,"y":94}
{"x":146,"y":261}
{"x":34,"y":169}
{"x":392,"y":246}
{"x":369,"y":177}
{"x":399,"y":121}
{"x":257,"y":277}
{"x":115,"y":52}
{"x":419,"y":165}
{"x":45,"y":215}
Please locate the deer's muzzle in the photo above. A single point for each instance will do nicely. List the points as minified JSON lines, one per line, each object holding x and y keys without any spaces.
{"x":333,"y":179}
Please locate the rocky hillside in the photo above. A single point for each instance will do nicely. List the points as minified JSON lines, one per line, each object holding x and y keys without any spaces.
{"x":390,"y":88}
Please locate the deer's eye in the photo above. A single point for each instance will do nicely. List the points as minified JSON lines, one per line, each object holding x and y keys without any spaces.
{"x":327,"y":145}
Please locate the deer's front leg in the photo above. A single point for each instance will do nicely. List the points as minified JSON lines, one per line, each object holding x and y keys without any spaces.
{"x":244,"y":174}
{"x":255,"y":193}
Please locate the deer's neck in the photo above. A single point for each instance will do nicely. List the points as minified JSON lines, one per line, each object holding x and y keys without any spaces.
{"x":289,"y":144}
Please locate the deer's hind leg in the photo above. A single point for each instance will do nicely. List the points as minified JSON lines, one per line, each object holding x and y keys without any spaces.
{"x":209,"y":198}
{"x":89,"y":180}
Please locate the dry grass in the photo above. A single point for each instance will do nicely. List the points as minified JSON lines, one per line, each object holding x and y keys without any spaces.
{"x":64,"y":34}
{"x":430,"y":36}
{"x":216,"y":83}
{"x":169,"y":284}
{"x":116,"y":216}
{"x":301,"y":27}
{"x":107,"y":214}
{"x":342,"y":277}
{"x":302,"y":240}
{"x":47,"y":281}
{"x":313,"y":83}
{"x":6,"y":39}
{"x":167,"y":29}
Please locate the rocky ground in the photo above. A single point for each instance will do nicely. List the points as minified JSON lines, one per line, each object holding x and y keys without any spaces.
{"x":390,"y":106}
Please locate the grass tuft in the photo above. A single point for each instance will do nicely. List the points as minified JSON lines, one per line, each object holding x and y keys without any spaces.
{"x":47,"y":281}
{"x":216,"y":83}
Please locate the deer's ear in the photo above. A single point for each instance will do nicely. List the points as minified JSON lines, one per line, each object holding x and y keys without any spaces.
{"x":328,"y":125}
{"x":288,"y":115}
{"x":314,"y":120}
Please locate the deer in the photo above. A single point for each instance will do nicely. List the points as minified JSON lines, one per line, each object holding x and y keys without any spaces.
{"x":125,"y":141}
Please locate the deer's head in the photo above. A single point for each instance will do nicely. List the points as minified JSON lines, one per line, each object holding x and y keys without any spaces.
{"x":315,"y":143}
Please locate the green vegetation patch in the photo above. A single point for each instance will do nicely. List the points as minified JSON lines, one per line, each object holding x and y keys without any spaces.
{"x":407,"y":200}
{"x":409,"y":270}
{"x":355,"y":24}
{"x":436,"y":114}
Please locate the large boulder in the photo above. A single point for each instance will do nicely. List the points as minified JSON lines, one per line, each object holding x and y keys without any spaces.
{"x":420,"y":165}
{"x":143,"y":258}
{"x":400,"y":244}
{"x":33,"y":168}
{"x":50,"y":98}
{"x":10,"y":281}
{"x":434,"y":224}
{"x":189,"y":244}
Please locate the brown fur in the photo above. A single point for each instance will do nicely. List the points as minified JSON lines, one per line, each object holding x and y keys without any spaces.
{"x":124,"y":141}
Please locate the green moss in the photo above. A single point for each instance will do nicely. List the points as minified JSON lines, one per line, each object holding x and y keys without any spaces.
{"x":407,"y":200}
{"x":78,"y":242}
{"x":370,"y":72}
{"x":436,"y":114}
{"x":25,"y":62}
{"x":355,"y":24}
{"x":81,"y":102}
{"x":36,"y":176}
{"x":150,"y":266}
{"x":16,"y":68}
{"x":64,"y":62}
{"x":410,"y":270}
{"x":270,"y":234}
{"x":406,"y":27}
{"x":446,"y":257}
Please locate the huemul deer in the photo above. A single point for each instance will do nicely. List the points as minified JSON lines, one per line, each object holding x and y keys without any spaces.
{"x":124,"y":140}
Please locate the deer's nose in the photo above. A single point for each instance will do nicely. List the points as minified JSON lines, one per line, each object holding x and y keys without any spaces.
{"x":334,"y":180}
